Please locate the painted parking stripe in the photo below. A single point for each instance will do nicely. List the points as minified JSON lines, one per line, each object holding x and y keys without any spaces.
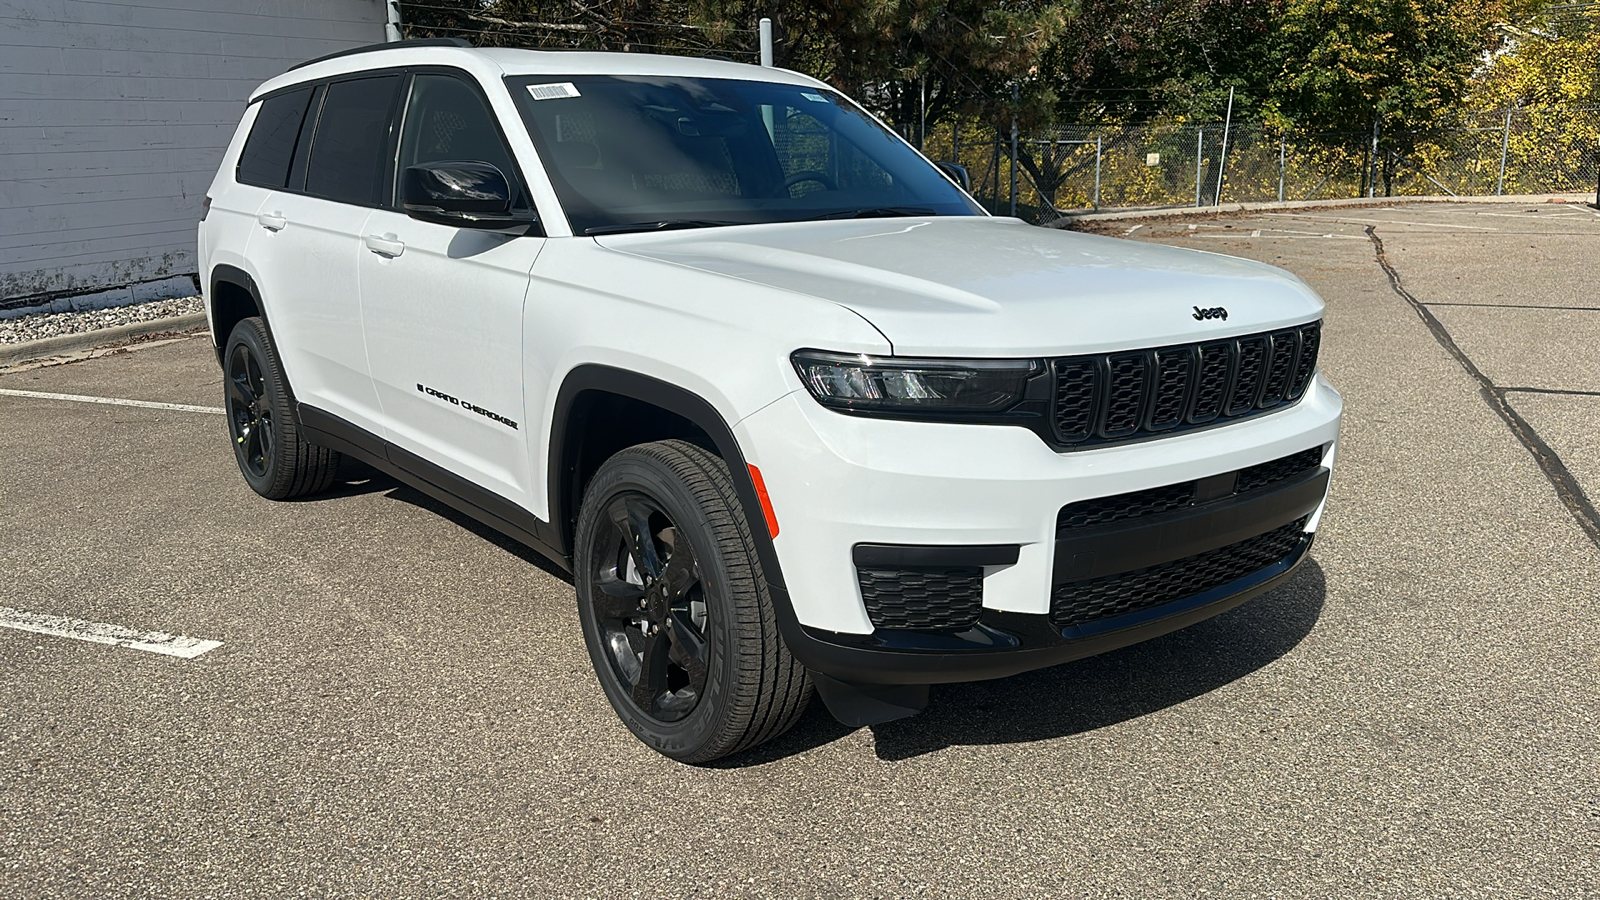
{"x":1352,"y":220}
{"x":102,"y":633}
{"x":114,"y":401}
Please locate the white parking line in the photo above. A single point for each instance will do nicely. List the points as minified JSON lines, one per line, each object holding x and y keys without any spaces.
{"x":114,"y":401}
{"x":102,"y":633}
{"x":1560,"y":215}
{"x":1351,"y":220}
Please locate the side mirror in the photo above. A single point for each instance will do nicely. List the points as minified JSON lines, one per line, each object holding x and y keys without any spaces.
{"x":462,"y":193}
{"x":958,"y":174}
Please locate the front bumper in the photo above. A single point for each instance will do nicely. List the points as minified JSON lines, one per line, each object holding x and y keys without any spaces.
{"x":989,"y":497}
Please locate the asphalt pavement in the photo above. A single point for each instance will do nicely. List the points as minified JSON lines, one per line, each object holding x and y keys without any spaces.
{"x":402,"y":705}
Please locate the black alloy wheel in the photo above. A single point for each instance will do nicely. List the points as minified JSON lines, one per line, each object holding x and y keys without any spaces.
{"x":650,"y":603}
{"x":675,"y":609}
{"x":273,"y":459}
{"x":249,"y":411}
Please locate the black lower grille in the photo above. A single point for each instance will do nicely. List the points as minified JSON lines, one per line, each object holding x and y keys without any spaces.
{"x":1168,"y":497}
{"x":1270,"y":473}
{"x":1081,"y":602}
{"x":1128,"y":395}
{"x":924,"y":598}
{"x":1105,"y":510}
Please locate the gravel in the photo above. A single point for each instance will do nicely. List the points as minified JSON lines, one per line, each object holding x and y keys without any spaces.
{"x":48,"y":325}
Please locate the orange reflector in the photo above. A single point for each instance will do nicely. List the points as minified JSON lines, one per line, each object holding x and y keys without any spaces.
{"x":766,"y":502}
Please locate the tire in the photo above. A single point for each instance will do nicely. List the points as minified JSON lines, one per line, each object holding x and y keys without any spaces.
{"x":275,"y":462}
{"x":686,"y":647}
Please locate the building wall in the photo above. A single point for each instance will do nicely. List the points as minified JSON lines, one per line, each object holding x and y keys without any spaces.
{"x":113,"y":119}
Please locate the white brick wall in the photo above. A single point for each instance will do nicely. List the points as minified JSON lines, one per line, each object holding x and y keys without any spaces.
{"x":113,"y":118}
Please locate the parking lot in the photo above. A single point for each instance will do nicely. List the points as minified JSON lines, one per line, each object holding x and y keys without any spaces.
{"x":401,"y":705}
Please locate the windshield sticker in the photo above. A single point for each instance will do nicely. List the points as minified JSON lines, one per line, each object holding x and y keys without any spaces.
{"x":814,"y":98}
{"x":553,"y":91}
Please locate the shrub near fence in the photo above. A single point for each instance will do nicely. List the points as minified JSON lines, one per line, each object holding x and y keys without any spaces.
{"x":1525,"y":151}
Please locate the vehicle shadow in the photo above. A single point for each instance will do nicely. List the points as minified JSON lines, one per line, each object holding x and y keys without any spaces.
{"x":1087,"y":694}
{"x":1050,"y":703}
{"x":406,"y":494}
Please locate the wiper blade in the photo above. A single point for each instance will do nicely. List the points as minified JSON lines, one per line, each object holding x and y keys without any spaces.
{"x":877,"y":212}
{"x":663,"y":225}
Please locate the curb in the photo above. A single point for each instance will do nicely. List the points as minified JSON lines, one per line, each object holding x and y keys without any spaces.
{"x":11,"y":354}
{"x":1068,"y":219}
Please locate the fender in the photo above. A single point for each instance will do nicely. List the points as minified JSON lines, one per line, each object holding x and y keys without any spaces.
{"x":223,"y":273}
{"x":676,"y":400}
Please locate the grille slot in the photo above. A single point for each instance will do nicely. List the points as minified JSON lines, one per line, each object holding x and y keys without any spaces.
{"x":1247,"y":384}
{"x":1270,"y":473}
{"x":934,"y":598}
{"x":1129,"y":373}
{"x":1157,"y":500}
{"x":1082,"y":602}
{"x":1124,"y":396}
{"x":1105,"y":510}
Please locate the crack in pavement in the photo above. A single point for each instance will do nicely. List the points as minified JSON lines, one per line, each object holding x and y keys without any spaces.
{"x":1566,"y":486}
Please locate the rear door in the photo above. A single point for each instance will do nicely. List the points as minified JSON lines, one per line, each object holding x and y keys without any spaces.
{"x":308,"y":241}
{"x":443,"y":305}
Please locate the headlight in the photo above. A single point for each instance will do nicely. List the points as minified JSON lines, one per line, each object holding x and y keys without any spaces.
{"x":898,"y":385}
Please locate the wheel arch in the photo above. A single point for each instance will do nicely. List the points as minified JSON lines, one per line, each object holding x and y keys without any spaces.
{"x":234,"y":297}
{"x":587,"y":391}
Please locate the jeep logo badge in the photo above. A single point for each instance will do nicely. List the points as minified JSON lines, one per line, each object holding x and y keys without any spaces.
{"x":1215,"y":312}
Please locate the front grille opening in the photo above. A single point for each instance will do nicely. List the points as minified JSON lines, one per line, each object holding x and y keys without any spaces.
{"x":925,"y":598}
{"x":1105,"y":510}
{"x":1283,"y":469}
{"x":1157,"y":500}
{"x":1082,"y":602}
{"x":1128,"y":395}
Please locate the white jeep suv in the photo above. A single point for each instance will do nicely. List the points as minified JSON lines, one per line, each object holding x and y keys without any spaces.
{"x":792,"y":409}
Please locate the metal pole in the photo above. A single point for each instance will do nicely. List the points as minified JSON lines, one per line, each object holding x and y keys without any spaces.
{"x":766,"y":41}
{"x":922,"y":112}
{"x":1096,"y":172}
{"x":1222,"y":164}
{"x":1372,"y":169}
{"x":1505,"y":144}
{"x":1281,"y":169}
{"x":391,"y":26}
{"x":1016,"y":100}
{"x":1199,"y":155}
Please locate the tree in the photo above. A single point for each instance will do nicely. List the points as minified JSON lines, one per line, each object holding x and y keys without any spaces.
{"x":1347,"y":68}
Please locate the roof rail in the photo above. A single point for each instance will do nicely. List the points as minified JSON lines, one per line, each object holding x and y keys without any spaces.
{"x":373,"y":48}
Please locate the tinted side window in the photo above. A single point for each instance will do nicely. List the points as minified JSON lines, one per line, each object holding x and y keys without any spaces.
{"x":446,"y":120}
{"x":352,"y":132}
{"x":269,"y":148}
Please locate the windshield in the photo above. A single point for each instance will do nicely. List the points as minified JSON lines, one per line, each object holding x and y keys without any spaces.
{"x":639,"y":153}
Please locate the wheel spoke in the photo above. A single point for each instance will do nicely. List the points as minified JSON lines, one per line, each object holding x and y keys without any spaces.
{"x":652,"y":681}
{"x":633,"y":521}
{"x":254,"y":446}
{"x":687,"y":650}
{"x":615,"y":599}
{"x":239,"y":393}
{"x":682,"y":571}
{"x":264,"y":429}
{"x":253,"y":373}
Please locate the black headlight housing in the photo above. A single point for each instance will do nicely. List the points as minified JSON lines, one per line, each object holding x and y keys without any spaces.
{"x":925,"y":389}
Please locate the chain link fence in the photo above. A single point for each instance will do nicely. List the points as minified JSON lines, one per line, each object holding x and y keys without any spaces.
{"x":1091,"y":167}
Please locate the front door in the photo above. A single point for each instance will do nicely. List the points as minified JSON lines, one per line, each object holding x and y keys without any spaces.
{"x":443,"y":307}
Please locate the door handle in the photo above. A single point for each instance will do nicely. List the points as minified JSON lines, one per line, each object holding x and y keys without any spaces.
{"x":272,"y":221}
{"x":385,"y":245}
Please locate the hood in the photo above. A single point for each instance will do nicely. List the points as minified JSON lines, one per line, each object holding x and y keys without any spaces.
{"x":981,"y":286}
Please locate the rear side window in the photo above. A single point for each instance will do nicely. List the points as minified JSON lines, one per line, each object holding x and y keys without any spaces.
{"x":270,"y":146}
{"x":347,"y":154}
